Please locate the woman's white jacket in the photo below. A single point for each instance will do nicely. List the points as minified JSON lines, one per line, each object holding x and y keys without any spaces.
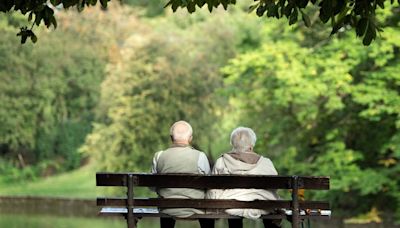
{"x":226,"y":164}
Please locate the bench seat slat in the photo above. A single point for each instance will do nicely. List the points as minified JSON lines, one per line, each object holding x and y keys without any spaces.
{"x":210,"y":181}
{"x":211,"y":203}
{"x":153,"y":212}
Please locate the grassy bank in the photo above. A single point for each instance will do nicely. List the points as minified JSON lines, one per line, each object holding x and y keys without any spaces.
{"x":79,"y":183}
{"x":46,"y":221}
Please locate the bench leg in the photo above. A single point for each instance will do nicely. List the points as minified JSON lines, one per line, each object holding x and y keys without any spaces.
{"x":295,"y":222}
{"x":131,"y":221}
{"x":130,"y":218}
{"x":295,"y":203}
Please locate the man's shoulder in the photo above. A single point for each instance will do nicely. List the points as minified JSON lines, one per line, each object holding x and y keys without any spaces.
{"x":192,"y":149}
{"x":185,"y":150}
{"x":157,"y":154}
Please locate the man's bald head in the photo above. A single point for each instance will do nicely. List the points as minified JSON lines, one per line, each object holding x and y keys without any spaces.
{"x":181,"y":132}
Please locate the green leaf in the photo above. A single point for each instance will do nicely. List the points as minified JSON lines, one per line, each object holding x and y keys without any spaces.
{"x":225,"y":4}
{"x":168,"y":3}
{"x":104,"y":3}
{"x":370,"y":34}
{"x":175,"y":5}
{"x":53,"y":21}
{"x":272,"y":10}
{"x":34,"y":38}
{"x":261,"y":10}
{"x":361,"y":26}
{"x":380,"y":3}
{"x":326,"y":10}
{"x":301,"y":3}
{"x":191,"y":7}
{"x":92,"y":2}
{"x":288,"y":11}
{"x":210,"y":6}
{"x":200,"y":3}
{"x":38,"y":18}
{"x":293,"y":17}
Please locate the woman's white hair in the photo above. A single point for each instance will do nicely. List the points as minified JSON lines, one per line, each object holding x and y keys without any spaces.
{"x":181,"y":130}
{"x":242,"y":139}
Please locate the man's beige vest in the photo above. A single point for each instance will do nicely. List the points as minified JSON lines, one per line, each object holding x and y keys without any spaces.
{"x":180,"y":160}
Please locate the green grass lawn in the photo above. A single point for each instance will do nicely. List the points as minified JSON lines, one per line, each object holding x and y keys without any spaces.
{"x":80,"y":183}
{"x":47,"y":221}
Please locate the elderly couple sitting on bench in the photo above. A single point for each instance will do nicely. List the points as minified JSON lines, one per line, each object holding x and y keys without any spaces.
{"x":182,"y":158}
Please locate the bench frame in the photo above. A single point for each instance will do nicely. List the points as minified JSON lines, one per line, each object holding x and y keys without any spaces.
{"x":132,"y":180}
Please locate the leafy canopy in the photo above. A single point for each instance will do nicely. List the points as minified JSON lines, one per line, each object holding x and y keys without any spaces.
{"x":48,"y":92}
{"x":358,"y":14}
{"x":327,"y":108}
{"x":157,"y":81}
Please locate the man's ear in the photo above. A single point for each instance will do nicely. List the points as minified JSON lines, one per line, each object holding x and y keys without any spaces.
{"x":172,"y":138}
{"x":190,"y":139}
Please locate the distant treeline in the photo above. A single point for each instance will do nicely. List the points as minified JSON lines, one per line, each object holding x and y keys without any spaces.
{"x":106,"y":85}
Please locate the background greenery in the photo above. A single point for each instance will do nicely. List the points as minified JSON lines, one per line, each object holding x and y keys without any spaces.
{"x":100,"y":92}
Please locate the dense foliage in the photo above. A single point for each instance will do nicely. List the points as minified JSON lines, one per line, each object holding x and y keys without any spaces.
{"x":165,"y":75}
{"x":326,"y":109}
{"x":358,"y":14}
{"x":47,"y":96}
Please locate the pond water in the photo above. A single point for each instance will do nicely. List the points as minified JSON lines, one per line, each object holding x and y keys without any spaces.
{"x":55,"y":221}
{"x":51,"y":221}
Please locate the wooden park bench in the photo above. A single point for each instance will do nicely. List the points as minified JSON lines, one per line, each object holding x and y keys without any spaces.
{"x":133,"y":208}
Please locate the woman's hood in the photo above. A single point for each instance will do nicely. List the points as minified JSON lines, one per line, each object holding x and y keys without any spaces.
{"x":235,"y":165}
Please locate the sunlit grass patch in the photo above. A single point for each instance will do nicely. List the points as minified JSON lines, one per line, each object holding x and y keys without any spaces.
{"x":80,"y":183}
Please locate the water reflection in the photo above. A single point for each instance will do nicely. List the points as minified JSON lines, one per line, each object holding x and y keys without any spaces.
{"x":51,"y":221}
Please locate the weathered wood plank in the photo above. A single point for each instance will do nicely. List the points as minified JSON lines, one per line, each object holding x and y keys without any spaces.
{"x":209,"y":214}
{"x":211,"y":203}
{"x":210,"y":181}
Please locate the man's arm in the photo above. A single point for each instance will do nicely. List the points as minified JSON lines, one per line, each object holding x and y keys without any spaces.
{"x":203,"y":165}
{"x":154,"y":163}
{"x":154,"y":167}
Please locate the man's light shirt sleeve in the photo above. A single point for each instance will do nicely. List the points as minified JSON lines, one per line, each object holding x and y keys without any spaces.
{"x":155,"y":160}
{"x":203,"y":164}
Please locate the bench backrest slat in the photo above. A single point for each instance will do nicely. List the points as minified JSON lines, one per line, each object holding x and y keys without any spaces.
{"x":212,"y":204}
{"x":210,"y":181}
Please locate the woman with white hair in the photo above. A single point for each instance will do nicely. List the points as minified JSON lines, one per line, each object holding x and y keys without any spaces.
{"x":243,"y":160}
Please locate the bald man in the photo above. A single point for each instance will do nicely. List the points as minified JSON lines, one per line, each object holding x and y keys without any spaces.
{"x":180,"y":157}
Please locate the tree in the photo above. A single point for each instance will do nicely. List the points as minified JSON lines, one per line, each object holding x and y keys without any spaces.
{"x":327,"y":108}
{"x":165,"y":73}
{"x":47,"y":93}
{"x":357,"y":14}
